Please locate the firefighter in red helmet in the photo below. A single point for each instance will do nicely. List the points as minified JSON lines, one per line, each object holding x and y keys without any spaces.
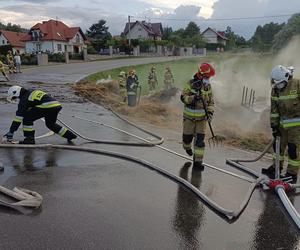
{"x":194,"y":93}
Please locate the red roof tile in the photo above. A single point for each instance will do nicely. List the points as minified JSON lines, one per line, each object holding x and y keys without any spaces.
{"x":14,"y":38}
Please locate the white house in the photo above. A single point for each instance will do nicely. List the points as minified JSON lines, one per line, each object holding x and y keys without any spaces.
{"x":12,"y":39}
{"x":143,"y":30}
{"x":214,"y":37}
{"x":54,"y":37}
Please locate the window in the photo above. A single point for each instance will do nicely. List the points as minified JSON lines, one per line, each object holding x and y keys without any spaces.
{"x":59,"y":47}
{"x":3,"y":42}
{"x":77,"y":38}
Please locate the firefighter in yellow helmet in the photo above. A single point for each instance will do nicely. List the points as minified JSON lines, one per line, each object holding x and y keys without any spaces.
{"x":152,"y":80}
{"x":195,"y":92}
{"x":285,"y":119}
{"x":2,"y":70}
{"x":168,"y":78}
{"x":122,"y":86}
{"x":10,"y":62}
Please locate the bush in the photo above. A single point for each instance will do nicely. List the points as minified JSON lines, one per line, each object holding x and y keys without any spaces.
{"x":91,"y":50}
{"x":4,"y":49}
{"x":29,"y":59}
{"x":56,"y":57}
{"x":76,"y":56}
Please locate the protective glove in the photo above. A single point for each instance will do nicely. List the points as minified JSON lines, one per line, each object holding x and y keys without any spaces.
{"x":210,"y":115}
{"x":197,"y":98}
{"x":9,"y":136}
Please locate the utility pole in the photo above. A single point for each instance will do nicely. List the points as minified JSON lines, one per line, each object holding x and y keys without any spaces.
{"x":129,"y":40}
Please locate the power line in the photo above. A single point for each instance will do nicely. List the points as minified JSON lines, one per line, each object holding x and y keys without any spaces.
{"x":216,"y":19}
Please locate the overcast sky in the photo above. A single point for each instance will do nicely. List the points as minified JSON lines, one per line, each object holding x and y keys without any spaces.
{"x":84,"y":13}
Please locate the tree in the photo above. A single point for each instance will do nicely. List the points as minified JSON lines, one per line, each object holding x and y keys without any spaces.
{"x":264,"y":36}
{"x":290,"y":29}
{"x":234,"y":40}
{"x":167,"y":31}
{"x":192,"y":29}
{"x":99,"y":34}
{"x":12,"y":27}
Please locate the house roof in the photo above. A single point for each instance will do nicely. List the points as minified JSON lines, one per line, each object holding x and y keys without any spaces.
{"x":55,"y":30}
{"x":151,"y":28}
{"x":14,"y":38}
{"x":220,"y":34}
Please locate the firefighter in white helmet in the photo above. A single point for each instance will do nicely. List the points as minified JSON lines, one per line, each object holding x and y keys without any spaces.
{"x":285,"y":119}
{"x":34,"y":105}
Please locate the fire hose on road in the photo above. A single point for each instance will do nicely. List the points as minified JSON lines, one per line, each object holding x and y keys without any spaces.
{"x":279,"y":186}
{"x":227,"y":213}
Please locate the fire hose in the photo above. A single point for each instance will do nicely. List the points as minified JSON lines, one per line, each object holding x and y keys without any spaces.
{"x":279,"y":186}
{"x":229,"y":214}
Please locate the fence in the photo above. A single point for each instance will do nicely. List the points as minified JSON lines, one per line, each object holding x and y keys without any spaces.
{"x":248,"y":102}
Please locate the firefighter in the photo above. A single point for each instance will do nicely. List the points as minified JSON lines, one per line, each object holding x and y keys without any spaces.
{"x":196,"y":92}
{"x":2,"y":70}
{"x":10,"y":62}
{"x":285,"y":119}
{"x":132,"y":84}
{"x":33,"y":105}
{"x":152,"y":80}
{"x":122,"y":86}
{"x":168,"y":78}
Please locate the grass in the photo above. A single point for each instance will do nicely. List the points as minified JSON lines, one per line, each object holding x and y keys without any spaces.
{"x":183,"y":70}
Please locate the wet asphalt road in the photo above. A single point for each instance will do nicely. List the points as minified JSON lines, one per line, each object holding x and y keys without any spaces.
{"x":97,"y":202}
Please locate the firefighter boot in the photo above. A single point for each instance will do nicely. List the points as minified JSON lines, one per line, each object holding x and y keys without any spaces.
{"x":290,"y":176}
{"x":27,"y":140}
{"x":189,"y":151}
{"x":69,"y":135}
{"x":270,"y":171}
{"x":198,"y":165}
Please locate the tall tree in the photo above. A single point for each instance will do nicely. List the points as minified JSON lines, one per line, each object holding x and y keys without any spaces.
{"x":167,"y":31}
{"x":264,"y":35}
{"x":234,"y":40}
{"x":290,"y":29}
{"x":12,"y":27}
{"x":99,"y":34}
{"x":192,"y":29}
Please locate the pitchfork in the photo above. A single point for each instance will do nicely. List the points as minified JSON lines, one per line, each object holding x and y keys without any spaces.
{"x":214,"y":139}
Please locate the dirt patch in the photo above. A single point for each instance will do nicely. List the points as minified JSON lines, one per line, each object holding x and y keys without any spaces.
{"x":150,"y":109}
{"x":163,"y":109}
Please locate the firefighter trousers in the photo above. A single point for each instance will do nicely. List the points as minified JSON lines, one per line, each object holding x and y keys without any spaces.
{"x":290,"y":140}
{"x":50,"y":115}
{"x":194,"y":130}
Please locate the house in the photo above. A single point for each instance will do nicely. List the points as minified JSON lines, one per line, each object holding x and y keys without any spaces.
{"x":54,"y":37}
{"x":214,"y":37}
{"x":13,"y":39}
{"x":143,"y":30}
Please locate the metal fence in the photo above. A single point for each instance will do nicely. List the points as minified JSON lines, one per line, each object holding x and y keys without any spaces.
{"x":248,"y":101}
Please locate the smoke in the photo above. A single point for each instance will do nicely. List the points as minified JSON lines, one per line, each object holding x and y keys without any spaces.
{"x":290,"y":55}
{"x":253,"y":71}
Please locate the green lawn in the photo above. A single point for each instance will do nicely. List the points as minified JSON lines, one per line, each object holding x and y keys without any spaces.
{"x":184,"y":69}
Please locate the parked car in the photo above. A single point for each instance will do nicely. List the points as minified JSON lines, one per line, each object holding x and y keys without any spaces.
{"x":104,"y":52}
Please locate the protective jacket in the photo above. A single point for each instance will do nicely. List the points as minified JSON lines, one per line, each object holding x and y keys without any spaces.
{"x":32,"y":99}
{"x":285,"y":106}
{"x":10,"y":58}
{"x":194,"y":109}
{"x":168,"y":78}
{"x":132,"y":84}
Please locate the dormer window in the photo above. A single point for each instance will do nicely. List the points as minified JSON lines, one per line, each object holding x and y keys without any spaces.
{"x":77,"y":38}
